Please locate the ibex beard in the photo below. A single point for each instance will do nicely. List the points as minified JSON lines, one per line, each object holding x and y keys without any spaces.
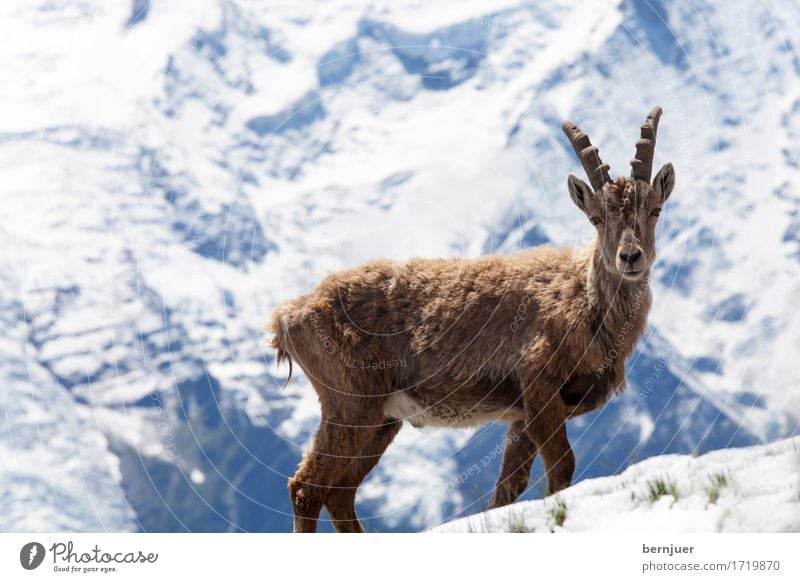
{"x":529,"y":339}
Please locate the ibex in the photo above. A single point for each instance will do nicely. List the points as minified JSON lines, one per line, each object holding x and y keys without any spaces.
{"x":530,"y":339}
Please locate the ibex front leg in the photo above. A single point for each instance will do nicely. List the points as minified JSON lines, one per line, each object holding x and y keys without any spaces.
{"x":546,"y":425}
{"x":518,"y":458}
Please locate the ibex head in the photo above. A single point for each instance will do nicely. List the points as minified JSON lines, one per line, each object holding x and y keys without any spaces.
{"x":624,"y":211}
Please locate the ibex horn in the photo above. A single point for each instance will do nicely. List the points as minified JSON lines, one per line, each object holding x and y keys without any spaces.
{"x":588,"y":154}
{"x":642,"y":163}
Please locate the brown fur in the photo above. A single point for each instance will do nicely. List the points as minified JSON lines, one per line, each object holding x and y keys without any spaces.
{"x":530,"y":339}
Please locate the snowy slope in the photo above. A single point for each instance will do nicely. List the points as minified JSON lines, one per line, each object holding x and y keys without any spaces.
{"x":173,"y":172}
{"x":56,"y":472}
{"x":755,"y":489}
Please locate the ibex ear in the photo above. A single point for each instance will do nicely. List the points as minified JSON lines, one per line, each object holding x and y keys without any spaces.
{"x":664,"y":181}
{"x":579,"y":191}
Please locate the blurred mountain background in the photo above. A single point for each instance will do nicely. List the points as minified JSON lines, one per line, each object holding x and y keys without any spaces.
{"x":172,"y":171}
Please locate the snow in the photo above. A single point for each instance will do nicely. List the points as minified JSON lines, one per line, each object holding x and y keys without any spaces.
{"x":56,"y":473}
{"x":755,"y":489}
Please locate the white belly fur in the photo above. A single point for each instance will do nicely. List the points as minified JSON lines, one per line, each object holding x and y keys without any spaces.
{"x":404,"y":407}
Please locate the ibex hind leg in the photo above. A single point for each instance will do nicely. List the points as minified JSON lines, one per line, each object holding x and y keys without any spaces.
{"x":342,"y":434}
{"x":340,"y":501}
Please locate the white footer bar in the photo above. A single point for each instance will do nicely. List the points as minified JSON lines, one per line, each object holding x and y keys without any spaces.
{"x":384,"y":557}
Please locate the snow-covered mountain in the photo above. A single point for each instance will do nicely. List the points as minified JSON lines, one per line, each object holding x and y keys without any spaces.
{"x":755,"y":489}
{"x":172,"y":171}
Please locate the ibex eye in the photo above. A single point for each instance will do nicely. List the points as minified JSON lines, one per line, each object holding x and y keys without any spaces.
{"x":655,"y":212}
{"x":595,"y":221}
